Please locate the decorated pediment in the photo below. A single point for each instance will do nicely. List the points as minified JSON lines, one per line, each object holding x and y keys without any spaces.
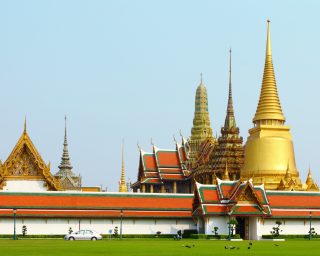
{"x":22,"y":164}
{"x":25,"y":163}
{"x":69,"y":182}
{"x":246,"y":195}
{"x":247,"y":202}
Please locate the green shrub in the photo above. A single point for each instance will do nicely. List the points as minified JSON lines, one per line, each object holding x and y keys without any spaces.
{"x":34,"y":236}
{"x":204,"y":236}
{"x":141,"y":236}
{"x":24,"y":230}
{"x":236,"y":236}
{"x":289,"y":236}
{"x":188,"y":232}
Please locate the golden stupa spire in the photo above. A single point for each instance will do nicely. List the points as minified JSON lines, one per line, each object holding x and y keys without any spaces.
{"x":226,"y":173}
{"x":123,"y":185}
{"x":269,"y":107}
{"x":309,"y":180}
{"x":311,"y":185}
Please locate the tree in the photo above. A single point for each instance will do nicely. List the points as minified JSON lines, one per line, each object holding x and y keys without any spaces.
{"x":116,"y":232}
{"x":215,"y":231}
{"x":24,"y":230}
{"x":275,"y":232}
{"x":232,"y":225}
{"x":70,"y":230}
{"x":313,"y":232}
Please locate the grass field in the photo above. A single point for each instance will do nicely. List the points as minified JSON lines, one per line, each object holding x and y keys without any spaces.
{"x":154,"y":247}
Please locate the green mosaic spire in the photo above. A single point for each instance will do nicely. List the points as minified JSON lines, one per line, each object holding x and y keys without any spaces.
{"x":201,"y":122}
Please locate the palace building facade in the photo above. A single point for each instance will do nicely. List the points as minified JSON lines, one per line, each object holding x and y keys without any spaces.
{"x":205,"y":182}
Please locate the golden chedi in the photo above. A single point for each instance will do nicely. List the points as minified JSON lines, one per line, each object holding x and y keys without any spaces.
{"x":269,"y":153}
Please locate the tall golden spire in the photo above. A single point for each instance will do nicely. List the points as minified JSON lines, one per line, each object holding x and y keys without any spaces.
{"x":269,"y":153}
{"x":230,"y":119}
{"x":123,"y":185}
{"x":269,"y":107}
{"x":201,"y":128}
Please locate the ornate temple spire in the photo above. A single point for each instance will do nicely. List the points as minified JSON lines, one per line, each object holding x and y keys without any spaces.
{"x":226,"y":173}
{"x":122,"y":185}
{"x":201,"y":122}
{"x":311,"y":185}
{"x":269,"y":107}
{"x":288,"y":175}
{"x":230,"y":119}
{"x":65,"y":165}
{"x":309,"y":180}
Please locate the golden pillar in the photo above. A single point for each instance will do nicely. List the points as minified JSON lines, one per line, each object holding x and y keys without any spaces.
{"x":175,"y":187}
{"x":151,"y":188}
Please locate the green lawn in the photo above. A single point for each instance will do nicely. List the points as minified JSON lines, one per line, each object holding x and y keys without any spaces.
{"x":154,"y":247}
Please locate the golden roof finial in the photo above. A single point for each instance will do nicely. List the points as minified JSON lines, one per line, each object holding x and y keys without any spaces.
{"x":288,"y":173}
{"x":174,"y":139}
{"x":269,"y":107}
{"x":123,"y":186}
{"x":309,"y":180}
{"x":201,"y":78}
{"x":268,"y":49}
{"x":226,"y":173}
{"x":25,"y":125}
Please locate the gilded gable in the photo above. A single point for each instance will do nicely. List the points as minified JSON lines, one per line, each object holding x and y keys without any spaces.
{"x":25,"y":163}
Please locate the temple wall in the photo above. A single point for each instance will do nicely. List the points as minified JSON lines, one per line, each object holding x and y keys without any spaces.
{"x":289,"y":226}
{"x":259,"y":227}
{"x":25,"y":185}
{"x":129,"y":226}
{"x":218,"y":221}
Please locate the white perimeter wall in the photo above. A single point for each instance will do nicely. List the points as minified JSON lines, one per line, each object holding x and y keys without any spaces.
{"x":218,"y":221}
{"x":259,"y":226}
{"x":129,"y":226}
{"x":25,"y":185}
{"x":288,"y":227}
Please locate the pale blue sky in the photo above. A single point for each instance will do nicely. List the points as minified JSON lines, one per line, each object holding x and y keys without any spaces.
{"x":129,"y":69}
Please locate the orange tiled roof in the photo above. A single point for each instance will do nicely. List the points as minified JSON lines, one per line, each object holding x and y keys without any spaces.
{"x":227,"y":198}
{"x":93,"y":213}
{"x":168,"y":158}
{"x":150,"y":162}
{"x":96,"y":204}
{"x":162,"y":165}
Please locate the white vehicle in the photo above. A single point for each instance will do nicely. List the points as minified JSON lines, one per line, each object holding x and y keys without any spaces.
{"x":83,"y":235}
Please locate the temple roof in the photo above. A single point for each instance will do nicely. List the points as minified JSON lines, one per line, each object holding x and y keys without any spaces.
{"x":96,"y":205}
{"x":231,"y":197}
{"x":162,"y":164}
{"x":243,"y":198}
